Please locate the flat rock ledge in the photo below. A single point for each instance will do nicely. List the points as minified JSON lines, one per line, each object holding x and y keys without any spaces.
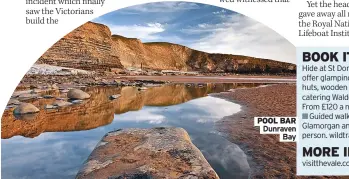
{"x":147,"y":154}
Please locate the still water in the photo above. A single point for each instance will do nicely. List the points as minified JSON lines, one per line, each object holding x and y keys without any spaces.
{"x":55,"y":143}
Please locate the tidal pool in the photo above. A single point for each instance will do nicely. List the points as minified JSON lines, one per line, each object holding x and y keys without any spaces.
{"x":55,"y":144}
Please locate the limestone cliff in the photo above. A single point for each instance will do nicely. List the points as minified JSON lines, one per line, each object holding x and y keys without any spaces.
{"x":161,"y":55}
{"x":88,"y":47}
{"x":91,"y":46}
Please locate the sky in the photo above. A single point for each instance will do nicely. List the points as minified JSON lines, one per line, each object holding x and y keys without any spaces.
{"x":201,"y":27}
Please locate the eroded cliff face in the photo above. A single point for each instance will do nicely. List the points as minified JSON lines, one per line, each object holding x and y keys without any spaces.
{"x":88,"y":47}
{"x":133,"y":53}
{"x":167,"y":56}
{"x":92,"y":47}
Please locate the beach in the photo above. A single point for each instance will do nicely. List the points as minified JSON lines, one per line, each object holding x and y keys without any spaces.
{"x":270,"y":157}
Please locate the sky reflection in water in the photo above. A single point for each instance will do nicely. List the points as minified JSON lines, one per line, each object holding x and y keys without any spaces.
{"x":60,"y":154}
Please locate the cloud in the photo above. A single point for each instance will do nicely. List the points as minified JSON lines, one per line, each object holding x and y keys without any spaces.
{"x":202,"y":27}
{"x":41,"y":138}
{"x":220,"y":12}
{"x":241,"y":35}
{"x":149,"y":115}
{"x":162,"y":7}
{"x":150,"y":32}
{"x":221,"y":108}
{"x":205,"y":110}
{"x":147,"y":32}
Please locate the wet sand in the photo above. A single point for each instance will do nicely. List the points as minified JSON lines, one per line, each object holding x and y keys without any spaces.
{"x":270,"y":158}
{"x":218,"y":79}
{"x":273,"y":159}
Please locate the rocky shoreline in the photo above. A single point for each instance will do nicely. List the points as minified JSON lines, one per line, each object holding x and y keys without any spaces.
{"x":66,"y":89}
{"x":275,"y":100}
{"x":70,"y":81}
{"x":45,"y":78}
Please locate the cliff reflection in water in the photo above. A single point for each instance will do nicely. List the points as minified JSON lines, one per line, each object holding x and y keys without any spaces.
{"x":99,"y":110}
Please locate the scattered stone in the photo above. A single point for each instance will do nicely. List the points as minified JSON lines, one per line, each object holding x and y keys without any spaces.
{"x":10,"y":106}
{"x":25,"y":108}
{"x":61,"y":103}
{"x":18,"y":93}
{"x":105,"y":82}
{"x":139,"y":84}
{"x":123,"y":84}
{"x":24,"y":97}
{"x":13,"y":102}
{"x":60,"y":98}
{"x":112,"y":97}
{"x":117,"y":70}
{"x":142,"y":88}
{"x":65,"y":91}
{"x":48,"y":106}
{"x":79,"y":101}
{"x":36,"y":91}
{"x":77,"y":94}
{"x":147,"y":153}
{"x":152,"y":85}
{"x":33,"y":86}
{"x":54,"y":86}
{"x":48,"y":96}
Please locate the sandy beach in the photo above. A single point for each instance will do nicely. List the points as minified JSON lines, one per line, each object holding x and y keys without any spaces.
{"x":273,"y":159}
{"x":269,"y":158}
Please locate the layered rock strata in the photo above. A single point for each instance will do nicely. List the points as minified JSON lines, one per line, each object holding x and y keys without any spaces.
{"x":88,"y":47}
{"x":92,"y":47}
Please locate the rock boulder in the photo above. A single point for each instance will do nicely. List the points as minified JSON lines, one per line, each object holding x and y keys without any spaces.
{"x":25,"y":108}
{"x":77,"y":94}
{"x":61,"y":103}
{"x":13,"y":102}
{"x":147,"y":153}
{"x":24,"y":97}
{"x":112,"y":97}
